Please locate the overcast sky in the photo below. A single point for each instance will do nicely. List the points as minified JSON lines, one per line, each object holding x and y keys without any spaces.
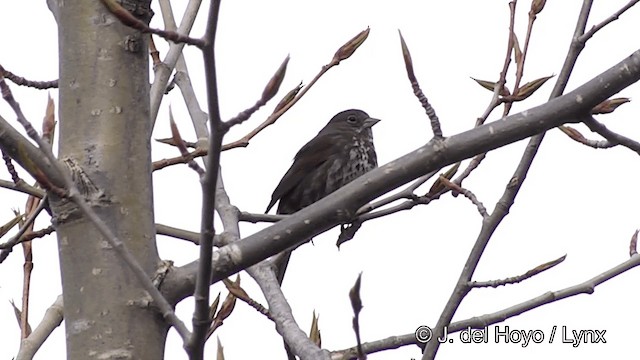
{"x":576,"y":200}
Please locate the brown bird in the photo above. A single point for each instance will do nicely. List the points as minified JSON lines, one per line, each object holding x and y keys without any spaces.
{"x":342,"y":151}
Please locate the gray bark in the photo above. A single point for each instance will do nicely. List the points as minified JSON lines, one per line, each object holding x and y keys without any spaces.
{"x":104,"y":132}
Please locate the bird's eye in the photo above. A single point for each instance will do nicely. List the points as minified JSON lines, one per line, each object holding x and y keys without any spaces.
{"x":351,"y":119}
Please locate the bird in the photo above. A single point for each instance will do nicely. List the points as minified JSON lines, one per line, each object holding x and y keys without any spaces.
{"x":341,"y":152}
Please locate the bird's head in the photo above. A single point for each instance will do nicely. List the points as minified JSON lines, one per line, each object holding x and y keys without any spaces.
{"x":352,"y":120}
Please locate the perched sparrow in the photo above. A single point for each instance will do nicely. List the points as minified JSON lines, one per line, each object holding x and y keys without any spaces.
{"x":342,"y":151}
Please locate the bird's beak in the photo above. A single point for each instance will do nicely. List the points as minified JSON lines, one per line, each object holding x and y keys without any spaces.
{"x":370,"y":122}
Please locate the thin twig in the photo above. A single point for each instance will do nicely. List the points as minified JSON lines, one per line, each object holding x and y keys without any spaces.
{"x":501,"y":210}
{"x":33,"y":205}
{"x":343,"y":53}
{"x":499,"y":89}
{"x":270,"y":90}
{"x":613,"y":137}
{"x":131,"y":21}
{"x":201,"y":319}
{"x":523,"y":58}
{"x":407,"y":193}
{"x":177,"y":139}
{"x":190,"y":236}
{"x":481,"y":322}
{"x":10,"y":168}
{"x":356,"y":305}
{"x":8,"y":246}
{"x":468,"y":194}
{"x":22,"y":187}
{"x":577,"y":136}
{"x":431,"y":112}
{"x":163,"y":71}
{"x":516,"y":279}
{"x":19,"y":80}
{"x":589,"y":34}
{"x":256,"y":218}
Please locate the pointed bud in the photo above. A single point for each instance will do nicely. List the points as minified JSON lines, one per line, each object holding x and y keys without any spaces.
{"x":288,"y":98}
{"x":529,"y":88}
{"x":274,"y":84}
{"x":350,"y":46}
{"x":220,"y":351}
{"x":517,"y":51}
{"x":633,"y":244}
{"x":537,"y":6}
{"x":314,"y":332}
{"x":490,"y":85}
{"x":609,"y":106}
{"x":438,"y":185}
{"x":406,"y":55}
{"x":573,"y":133}
{"x":354,"y":296}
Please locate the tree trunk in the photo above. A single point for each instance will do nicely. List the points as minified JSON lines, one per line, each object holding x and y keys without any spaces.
{"x":105,"y":132}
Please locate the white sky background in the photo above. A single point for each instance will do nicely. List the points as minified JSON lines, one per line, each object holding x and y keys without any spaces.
{"x":576,"y":200}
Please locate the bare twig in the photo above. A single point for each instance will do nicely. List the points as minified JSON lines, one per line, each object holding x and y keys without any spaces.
{"x":237,"y":291}
{"x":177,"y":139}
{"x":407,"y":193}
{"x":12,"y":170}
{"x":499,"y":89}
{"x":356,"y":305}
{"x":269,"y":92}
{"x":516,"y":279}
{"x":163,"y":71}
{"x":34,"y":164}
{"x":431,"y":112}
{"x":342,"y":54}
{"x":613,"y":137}
{"x":480,"y":322}
{"x":256,"y":218}
{"x":577,"y":136}
{"x":201,"y":320}
{"x":33,"y":205}
{"x":490,"y":224}
{"x":521,"y":57}
{"x":161,"y":164}
{"x":7,"y":247}
{"x":190,"y":236}
{"x":19,"y":80}
{"x":22,"y":187}
{"x":468,"y":194}
{"x":589,"y":34}
{"x":131,"y":21}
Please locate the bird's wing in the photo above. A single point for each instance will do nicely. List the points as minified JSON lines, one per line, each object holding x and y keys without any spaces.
{"x":310,"y":156}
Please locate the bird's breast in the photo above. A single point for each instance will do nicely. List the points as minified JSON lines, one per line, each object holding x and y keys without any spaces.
{"x":357,"y":158}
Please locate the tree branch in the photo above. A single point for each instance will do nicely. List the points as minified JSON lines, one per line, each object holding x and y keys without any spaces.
{"x":51,"y":320}
{"x":163,"y":71}
{"x":480,"y":322}
{"x":613,"y":137}
{"x":201,"y":318}
{"x":321,"y":216}
{"x":490,"y":224}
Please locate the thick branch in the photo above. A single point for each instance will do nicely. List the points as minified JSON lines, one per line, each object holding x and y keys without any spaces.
{"x":321,"y":216}
{"x":26,"y":154}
